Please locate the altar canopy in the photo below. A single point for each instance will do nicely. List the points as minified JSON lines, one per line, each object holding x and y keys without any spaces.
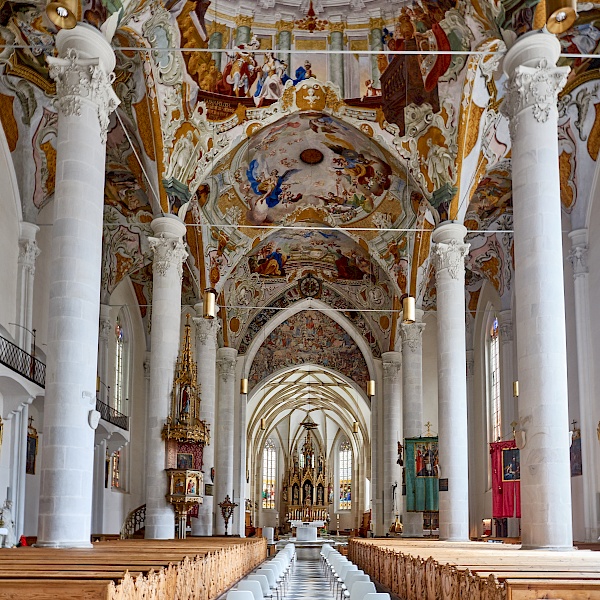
{"x":421,"y":473}
{"x":506,"y":475}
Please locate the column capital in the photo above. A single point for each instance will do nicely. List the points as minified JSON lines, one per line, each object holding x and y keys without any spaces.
{"x":376,"y":23}
{"x":28,"y":252}
{"x":506,"y":325}
{"x":534,"y":80}
{"x":167,"y":246}
{"x":105,"y":321}
{"x":449,"y":251}
{"x":83,"y":73}
{"x":339,"y":26}
{"x":244,"y":21}
{"x":284,"y":26}
{"x":226,"y":362}
{"x":411,"y":334}
{"x":578,"y":256}
{"x":206,"y":329}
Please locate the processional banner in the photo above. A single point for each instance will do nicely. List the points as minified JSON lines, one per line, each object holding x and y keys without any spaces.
{"x":421,"y":474}
{"x":506,"y":476}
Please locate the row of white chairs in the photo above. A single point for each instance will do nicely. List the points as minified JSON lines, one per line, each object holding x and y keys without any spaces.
{"x":269,"y":580}
{"x":346,"y":579}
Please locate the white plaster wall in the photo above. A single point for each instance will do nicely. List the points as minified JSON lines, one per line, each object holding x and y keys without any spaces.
{"x":118,"y":503}
{"x":4,"y":452}
{"x":573,"y":383}
{"x":9,"y":254}
{"x":430,"y":381}
{"x":32,"y":482}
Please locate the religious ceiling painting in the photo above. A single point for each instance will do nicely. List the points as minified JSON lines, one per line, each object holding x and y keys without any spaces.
{"x":310,"y":160}
{"x":309,"y":337}
{"x":374,"y":331}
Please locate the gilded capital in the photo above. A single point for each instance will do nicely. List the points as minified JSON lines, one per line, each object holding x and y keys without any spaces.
{"x":377,"y":23}
{"x":284,"y":26}
{"x":338,"y":26}
{"x":244,"y":21}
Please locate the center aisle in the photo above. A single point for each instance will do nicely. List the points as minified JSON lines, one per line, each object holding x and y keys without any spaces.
{"x":307,"y":580}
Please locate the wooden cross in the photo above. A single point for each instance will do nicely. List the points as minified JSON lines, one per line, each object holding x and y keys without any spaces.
{"x":573,"y":422}
{"x":428,"y":425}
{"x":30,"y":421}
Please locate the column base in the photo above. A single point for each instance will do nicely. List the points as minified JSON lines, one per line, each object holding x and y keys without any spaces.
{"x":551,"y":548}
{"x":63,"y":545}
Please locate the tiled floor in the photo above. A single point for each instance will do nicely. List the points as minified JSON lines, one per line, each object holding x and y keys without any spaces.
{"x":307,"y":580}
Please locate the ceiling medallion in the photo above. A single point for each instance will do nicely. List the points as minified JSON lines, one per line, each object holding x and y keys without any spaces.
{"x":311,"y":156}
{"x":309,"y":287}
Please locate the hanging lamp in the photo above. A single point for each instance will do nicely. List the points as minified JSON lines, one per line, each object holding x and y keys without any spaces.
{"x":408,"y":309}
{"x":210,"y":303}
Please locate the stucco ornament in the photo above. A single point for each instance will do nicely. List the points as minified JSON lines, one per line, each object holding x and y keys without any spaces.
{"x":167,"y":252}
{"x":79,"y":80}
{"x":450,"y":256}
{"x":533,"y":87}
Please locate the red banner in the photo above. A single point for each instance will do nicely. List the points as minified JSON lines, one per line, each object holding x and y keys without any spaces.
{"x":506,"y":476}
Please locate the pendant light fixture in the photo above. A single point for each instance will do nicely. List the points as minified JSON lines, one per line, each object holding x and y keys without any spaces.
{"x":560,"y":15}
{"x":371,"y":388}
{"x":210,"y":303}
{"x":244,"y":386}
{"x":263,"y":424}
{"x":408,"y":309}
{"x":515,"y":389}
{"x":63,"y":13}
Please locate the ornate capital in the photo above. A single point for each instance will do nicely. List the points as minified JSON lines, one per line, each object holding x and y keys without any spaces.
{"x":340,"y":26}
{"x":206,"y":329}
{"x":377,"y":23}
{"x":244,"y":21}
{"x":28,"y":252}
{"x":391,"y":370}
{"x":284,"y":26}
{"x":167,"y":251}
{"x":81,"y":80}
{"x":536,"y":88}
{"x":450,"y":256}
{"x":578,"y":258}
{"x":105,"y":327}
{"x":226,"y":367}
{"x":411,"y":334}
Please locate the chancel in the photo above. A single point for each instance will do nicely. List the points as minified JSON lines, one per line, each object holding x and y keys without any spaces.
{"x":316,"y":273}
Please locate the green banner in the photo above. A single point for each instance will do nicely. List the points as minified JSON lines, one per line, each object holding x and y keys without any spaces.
{"x":421,"y":473}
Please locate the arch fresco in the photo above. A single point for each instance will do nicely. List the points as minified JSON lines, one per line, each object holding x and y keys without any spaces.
{"x":309,"y":337}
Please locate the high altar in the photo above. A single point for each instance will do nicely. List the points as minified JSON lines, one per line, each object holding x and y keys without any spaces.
{"x":307,"y":486}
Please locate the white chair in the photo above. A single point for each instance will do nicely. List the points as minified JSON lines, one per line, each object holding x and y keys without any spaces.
{"x":377,"y":596}
{"x":248,"y":585}
{"x":361,"y":588}
{"x":271,"y":577}
{"x":344,"y":570}
{"x":264,"y":583}
{"x":352,"y":578}
{"x":240,"y":595}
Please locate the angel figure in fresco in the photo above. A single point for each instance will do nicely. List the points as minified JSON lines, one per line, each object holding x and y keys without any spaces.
{"x":268,"y":188}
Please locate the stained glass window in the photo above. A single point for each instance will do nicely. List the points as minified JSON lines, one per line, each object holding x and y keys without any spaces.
{"x":494,"y":380}
{"x":116,"y":475}
{"x":345,"y":475}
{"x":269,"y":475}
{"x":119,"y":347}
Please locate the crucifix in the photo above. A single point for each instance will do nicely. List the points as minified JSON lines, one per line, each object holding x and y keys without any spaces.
{"x":428,"y":425}
{"x":30,"y":421}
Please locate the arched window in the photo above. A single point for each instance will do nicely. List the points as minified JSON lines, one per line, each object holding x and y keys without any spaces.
{"x":493,"y":370}
{"x":345,"y":458}
{"x":269,"y":474}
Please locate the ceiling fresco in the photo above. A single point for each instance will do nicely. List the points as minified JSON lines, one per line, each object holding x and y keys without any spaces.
{"x":291,"y":166}
{"x":303,"y":176}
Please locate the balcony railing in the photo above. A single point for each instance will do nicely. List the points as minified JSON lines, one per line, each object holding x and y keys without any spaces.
{"x":112,"y":415}
{"x":25,"y":364}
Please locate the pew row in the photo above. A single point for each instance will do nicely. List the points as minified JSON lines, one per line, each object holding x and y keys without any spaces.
{"x":194,"y":569}
{"x":419,"y":569}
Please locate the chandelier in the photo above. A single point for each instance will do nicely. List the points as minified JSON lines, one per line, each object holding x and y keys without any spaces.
{"x":310,"y":23}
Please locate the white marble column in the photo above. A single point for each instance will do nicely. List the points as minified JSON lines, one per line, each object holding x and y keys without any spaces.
{"x":449,"y":253}
{"x":412,"y":402}
{"x":85,"y":99}
{"x":206,"y":355}
{"x":531,"y":96}
{"x":588,"y":412}
{"x":169,"y":254}
{"x":226,"y":368}
{"x":28,"y":252}
{"x":392,"y":433}
{"x":336,"y":59}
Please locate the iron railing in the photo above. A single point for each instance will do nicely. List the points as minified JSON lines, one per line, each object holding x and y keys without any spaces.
{"x":19,"y":361}
{"x":134,"y":523}
{"x":112,"y":415}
